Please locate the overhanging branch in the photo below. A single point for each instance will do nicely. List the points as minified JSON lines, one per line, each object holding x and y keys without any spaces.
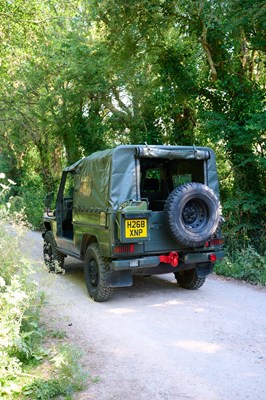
{"x":207,"y":51}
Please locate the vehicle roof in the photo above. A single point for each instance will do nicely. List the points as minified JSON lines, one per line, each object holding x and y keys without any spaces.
{"x":156,"y":151}
{"x":110,"y":176}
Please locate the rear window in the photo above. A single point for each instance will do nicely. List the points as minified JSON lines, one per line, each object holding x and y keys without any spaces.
{"x":186,"y":171}
{"x":159,"y":177}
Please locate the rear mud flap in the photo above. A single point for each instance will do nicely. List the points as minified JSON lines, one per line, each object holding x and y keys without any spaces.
{"x":118,"y":279}
{"x":204,"y":269}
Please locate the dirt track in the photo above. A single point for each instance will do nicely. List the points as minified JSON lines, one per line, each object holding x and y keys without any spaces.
{"x":157,"y":341}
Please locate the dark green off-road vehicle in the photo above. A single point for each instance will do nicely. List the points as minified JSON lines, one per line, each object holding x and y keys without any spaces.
{"x":137,"y":210}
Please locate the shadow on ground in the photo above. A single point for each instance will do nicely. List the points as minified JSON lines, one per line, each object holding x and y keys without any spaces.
{"x":142,"y":286}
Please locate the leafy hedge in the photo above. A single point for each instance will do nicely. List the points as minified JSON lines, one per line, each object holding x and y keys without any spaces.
{"x":245,"y":264}
{"x":22,"y":337}
{"x":19,"y":319}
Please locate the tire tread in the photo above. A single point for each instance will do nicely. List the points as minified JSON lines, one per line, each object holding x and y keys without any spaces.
{"x":103,"y":292}
{"x":189,"y":279}
{"x":170,"y":209}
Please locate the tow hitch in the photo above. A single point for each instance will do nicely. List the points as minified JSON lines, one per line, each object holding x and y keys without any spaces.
{"x":171,"y":258}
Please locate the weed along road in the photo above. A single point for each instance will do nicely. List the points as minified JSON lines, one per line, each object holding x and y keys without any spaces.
{"x":156,"y":340}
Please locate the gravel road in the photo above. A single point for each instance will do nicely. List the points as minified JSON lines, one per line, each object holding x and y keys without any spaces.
{"x":157,"y":341}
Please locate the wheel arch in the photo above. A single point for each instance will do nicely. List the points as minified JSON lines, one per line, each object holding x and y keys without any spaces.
{"x":86,"y":241}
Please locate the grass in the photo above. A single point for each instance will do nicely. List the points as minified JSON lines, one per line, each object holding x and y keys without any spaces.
{"x":62,"y":375}
{"x":35,"y":363}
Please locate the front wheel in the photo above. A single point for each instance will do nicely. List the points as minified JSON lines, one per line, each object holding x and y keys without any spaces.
{"x":95,"y":269}
{"x":189,"y":279}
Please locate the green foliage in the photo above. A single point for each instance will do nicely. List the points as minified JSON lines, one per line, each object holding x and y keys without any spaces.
{"x":24,"y":203}
{"x":246,"y":264}
{"x":78,"y":77}
{"x":245,"y":222}
{"x":29,"y":198}
{"x":21,"y":334}
{"x":19,"y":303}
{"x":69,"y":377}
{"x":44,"y":389}
{"x":57,"y":334}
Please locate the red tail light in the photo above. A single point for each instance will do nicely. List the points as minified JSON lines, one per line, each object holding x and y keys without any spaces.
{"x":212,"y":257}
{"x":216,"y":242}
{"x":124,"y":248}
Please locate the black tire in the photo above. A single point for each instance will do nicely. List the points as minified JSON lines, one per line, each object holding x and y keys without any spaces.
{"x":54,"y":260}
{"x":192,"y":214}
{"x":95,"y":268}
{"x":189,"y":279}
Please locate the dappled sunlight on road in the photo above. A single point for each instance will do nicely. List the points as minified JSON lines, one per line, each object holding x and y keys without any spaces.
{"x":168,"y":303}
{"x":200,"y":310}
{"x":195,"y":340}
{"x":198,"y":346}
{"x":121,"y":311}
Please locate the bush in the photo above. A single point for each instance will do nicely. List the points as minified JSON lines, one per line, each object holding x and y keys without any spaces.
{"x":68,"y":376}
{"x":24,"y":203}
{"x":30,"y":199}
{"x":246,"y":264}
{"x":21,"y":335}
{"x":245,"y":223}
{"x":17,"y":297}
{"x":19,"y":303}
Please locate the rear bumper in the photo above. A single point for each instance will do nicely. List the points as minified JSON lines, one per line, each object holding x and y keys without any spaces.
{"x":154,"y":261}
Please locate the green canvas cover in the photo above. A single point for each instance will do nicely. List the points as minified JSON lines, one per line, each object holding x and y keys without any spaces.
{"x":107,"y":178}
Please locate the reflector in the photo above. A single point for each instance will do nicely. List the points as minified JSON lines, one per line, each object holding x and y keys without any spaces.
{"x":212,"y":257}
{"x":216,"y":242}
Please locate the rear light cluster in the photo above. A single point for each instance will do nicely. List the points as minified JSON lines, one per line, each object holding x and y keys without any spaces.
{"x":214,"y":242}
{"x":124,"y":248}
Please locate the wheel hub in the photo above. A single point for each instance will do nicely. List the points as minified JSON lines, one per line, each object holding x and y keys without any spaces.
{"x":194,"y":214}
{"x":190,"y":214}
{"x":93,"y":273}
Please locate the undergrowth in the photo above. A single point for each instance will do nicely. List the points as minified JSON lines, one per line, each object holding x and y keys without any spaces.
{"x":66,"y":376}
{"x":29,"y":369}
{"x":245,"y":264}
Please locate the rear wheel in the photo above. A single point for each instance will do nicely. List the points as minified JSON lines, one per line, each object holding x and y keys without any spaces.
{"x":54,"y":260}
{"x":189,"y":279}
{"x":95,"y":269}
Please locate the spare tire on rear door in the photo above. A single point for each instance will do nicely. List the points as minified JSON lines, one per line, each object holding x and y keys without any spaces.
{"x":192,"y":214}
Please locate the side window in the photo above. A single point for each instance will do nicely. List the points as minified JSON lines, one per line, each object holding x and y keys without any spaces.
{"x":69,"y":186}
{"x":84,"y":185}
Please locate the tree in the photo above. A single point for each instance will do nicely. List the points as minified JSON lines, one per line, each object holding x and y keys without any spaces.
{"x":78,"y":77}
